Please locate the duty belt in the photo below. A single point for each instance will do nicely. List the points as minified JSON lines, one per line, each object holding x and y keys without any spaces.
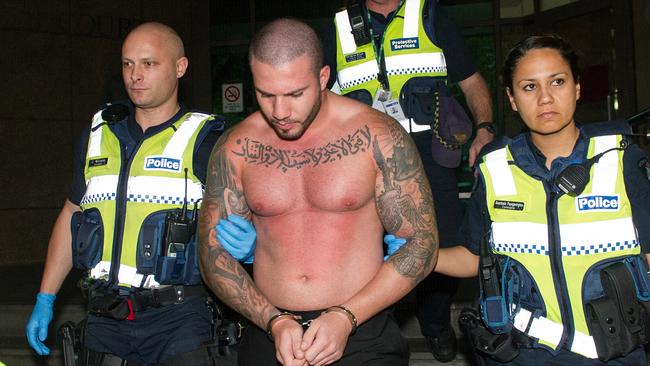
{"x":108,"y":303}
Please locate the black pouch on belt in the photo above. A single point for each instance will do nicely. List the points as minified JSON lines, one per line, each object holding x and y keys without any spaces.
{"x":616,"y":320}
{"x":108,"y":304}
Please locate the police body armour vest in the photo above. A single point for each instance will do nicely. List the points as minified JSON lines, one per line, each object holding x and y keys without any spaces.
{"x":407,"y":50}
{"x":559,"y":241}
{"x":126,"y":192}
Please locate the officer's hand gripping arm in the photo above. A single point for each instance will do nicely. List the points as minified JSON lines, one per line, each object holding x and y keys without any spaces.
{"x":237,"y":235}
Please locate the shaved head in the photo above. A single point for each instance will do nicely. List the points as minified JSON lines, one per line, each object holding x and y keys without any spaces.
{"x":169,"y":37}
{"x":285,"y":39}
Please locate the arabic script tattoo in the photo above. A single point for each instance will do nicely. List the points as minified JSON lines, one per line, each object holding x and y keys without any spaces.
{"x":256,"y":152}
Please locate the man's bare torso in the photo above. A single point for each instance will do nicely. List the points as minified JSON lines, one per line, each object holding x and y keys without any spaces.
{"x":313,"y":204}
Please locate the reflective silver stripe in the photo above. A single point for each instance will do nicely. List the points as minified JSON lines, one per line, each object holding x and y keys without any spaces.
{"x":411,"y":126}
{"x":503,"y":182}
{"x":515,"y":237}
{"x":412,"y":18}
{"x":598,"y":237}
{"x":177,"y":144}
{"x":126,"y":274}
{"x":416,"y":63}
{"x":604,"y":179}
{"x":541,"y":328}
{"x":162,"y":190}
{"x":95,"y":139}
{"x":358,"y":74}
{"x":101,"y":188}
{"x":583,"y":344}
{"x":345,"y":32}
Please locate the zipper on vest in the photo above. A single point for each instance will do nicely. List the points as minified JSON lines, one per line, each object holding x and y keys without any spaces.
{"x":120,"y":210}
{"x":555,"y":255}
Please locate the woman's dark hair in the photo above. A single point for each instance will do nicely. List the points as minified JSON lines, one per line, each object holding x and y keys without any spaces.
{"x":537,"y":41}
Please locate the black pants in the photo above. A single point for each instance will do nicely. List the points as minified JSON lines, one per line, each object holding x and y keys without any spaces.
{"x":435,"y":292}
{"x":155,"y":335}
{"x":197,"y":357}
{"x":376,"y":342}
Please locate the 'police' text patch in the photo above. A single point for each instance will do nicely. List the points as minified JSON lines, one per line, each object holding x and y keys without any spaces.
{"x":97,"y":162}
{"x":509,"y":205}
{"x":591,"y":203}
{"x":404,"y":43}
{"x":162,"y":163}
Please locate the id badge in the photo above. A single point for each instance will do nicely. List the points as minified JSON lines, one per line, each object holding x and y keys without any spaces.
{"x":381,"y":96}
{"x":394,"y":109}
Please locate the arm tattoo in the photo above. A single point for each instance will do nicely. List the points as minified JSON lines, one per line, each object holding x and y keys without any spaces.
{"x":256,"y":152}
{"x":405,"y":202}
{"x":224,"y":275}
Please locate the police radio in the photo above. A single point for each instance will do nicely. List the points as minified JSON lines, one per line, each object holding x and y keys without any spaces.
{"x":178,"y":229}
{"x":358,"y":23}
{"x":573,"y":179}
{"x":494,"y":309}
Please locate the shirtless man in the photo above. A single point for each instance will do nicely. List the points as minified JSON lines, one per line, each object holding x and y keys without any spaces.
{"x":320,"y":176}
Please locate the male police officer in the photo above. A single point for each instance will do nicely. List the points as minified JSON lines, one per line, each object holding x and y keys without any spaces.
{"x":135,"y":167}
{"x":398,"y":56}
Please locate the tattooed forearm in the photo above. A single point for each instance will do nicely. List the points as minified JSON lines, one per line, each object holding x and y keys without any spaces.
{"x":224,"y":275}
{"x":405,"y":203}
{"x":256,"y":152}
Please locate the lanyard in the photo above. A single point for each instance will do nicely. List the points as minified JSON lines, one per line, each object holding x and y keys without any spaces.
{"x":379,"y":55}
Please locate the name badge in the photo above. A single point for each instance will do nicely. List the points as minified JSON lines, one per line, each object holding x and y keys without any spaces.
{"x":355,"y":57}
{"x":97,"y":162}
{"x":509,"y":205}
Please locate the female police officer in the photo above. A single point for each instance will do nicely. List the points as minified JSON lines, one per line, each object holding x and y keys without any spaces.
{"x":565,"y":210}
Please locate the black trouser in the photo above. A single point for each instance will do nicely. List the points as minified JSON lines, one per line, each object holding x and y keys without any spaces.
{"x":376,"y":342}
{"x":435,"y":292}
{"x":197,"y":357}
{"x":155,"y":336}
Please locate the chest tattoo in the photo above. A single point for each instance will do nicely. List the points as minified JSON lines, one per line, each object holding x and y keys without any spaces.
{"x":257,"y":152}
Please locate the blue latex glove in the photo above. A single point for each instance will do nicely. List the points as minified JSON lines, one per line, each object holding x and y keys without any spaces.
{"x":394,"y":243}
{"x":36,"y":329}
{"x":237,"y":235}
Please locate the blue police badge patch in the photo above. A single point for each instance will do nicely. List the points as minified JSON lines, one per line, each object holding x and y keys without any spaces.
{"x":594,"y":202}
{"x":404,"y":43}
{"x":162,"y":163}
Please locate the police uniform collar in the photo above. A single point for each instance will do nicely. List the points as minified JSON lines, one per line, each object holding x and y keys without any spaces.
{"x":531,"y":160}
{"x":136,"y":131}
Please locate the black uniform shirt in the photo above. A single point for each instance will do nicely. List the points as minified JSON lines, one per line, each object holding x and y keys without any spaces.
{"x":637,"y":186}
{"x":129,"y":133}
{"x":460,"y":63}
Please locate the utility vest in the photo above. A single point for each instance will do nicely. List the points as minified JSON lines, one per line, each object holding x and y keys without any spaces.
{"x":408,"y":54}
{"x":126,"y":201}
{"x":558,"y":243}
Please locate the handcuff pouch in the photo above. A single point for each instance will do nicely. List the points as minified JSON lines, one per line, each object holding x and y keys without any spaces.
{"x":87,"y":238}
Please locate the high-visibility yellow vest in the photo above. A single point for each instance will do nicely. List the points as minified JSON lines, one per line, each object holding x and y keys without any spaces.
{"x":559,"y":240}
{"x":126,"y":192}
